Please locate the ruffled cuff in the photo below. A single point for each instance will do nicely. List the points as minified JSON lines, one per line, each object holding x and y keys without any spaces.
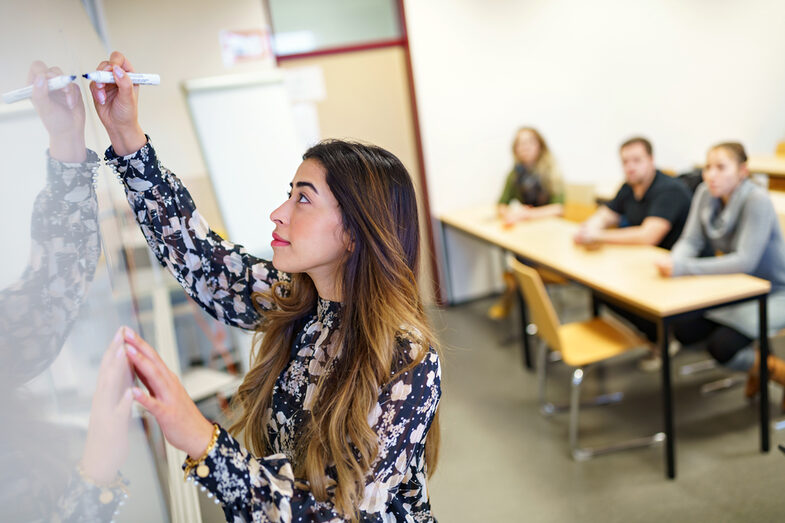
{"x":110,"y":155}
{"x":139,"y":170}
{"x":230,"y":473}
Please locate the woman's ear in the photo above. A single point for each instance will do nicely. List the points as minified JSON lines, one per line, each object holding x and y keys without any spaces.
{"x":348,"y":241}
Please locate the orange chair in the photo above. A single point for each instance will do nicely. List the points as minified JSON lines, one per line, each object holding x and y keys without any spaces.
{"x":581,"y":345}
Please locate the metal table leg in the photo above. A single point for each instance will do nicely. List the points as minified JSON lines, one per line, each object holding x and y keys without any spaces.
{"x":667,"y":399}
{"x":764,"y":374}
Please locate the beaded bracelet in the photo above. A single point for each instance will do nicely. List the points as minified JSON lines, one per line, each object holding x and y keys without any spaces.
{"x":202,"y":470}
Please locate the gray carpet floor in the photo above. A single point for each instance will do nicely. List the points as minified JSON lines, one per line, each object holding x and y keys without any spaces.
{"x":503,"y":461}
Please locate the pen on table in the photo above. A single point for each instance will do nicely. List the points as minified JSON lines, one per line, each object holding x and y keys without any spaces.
{"x":106,"y":77}
{"x":58,"y":82}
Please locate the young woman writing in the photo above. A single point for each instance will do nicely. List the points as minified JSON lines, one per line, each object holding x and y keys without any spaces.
{"x":339,"y":408}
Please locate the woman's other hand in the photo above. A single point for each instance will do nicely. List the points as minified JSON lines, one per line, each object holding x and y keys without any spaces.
{"x":117,"y":106}
{"x":179,"y":418}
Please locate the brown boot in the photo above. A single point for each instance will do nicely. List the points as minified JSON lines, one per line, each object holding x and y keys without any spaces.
{"x":501,"y":309}
{"x":753,"y":379}
{"x":776,"y":374}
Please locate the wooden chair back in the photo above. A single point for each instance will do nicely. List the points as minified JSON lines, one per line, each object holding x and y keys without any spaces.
{"x":579,"y":201}
{"x":541,"y":310}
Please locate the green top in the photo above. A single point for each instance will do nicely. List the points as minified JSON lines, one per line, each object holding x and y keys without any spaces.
{"x":526,"y":187}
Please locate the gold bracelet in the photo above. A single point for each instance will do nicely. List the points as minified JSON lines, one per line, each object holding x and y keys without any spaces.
{"x":202,"y":470}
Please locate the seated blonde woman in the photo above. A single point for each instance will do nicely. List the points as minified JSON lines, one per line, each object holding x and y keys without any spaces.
{"x":533,"y":189}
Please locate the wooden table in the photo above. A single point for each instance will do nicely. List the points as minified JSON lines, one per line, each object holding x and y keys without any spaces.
{"x":771,"y":164}
{"x":626,"y":276}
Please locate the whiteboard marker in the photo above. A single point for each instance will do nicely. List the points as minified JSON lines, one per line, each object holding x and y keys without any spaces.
{"x":106,"y":77}
{"x":58,"y":82}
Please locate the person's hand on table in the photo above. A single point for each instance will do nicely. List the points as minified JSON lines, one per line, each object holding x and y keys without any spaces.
{"x":117,"y":106}
{"x":177,"y":415}
{"x":515,"y":214}
{"x":665,"y":266}
{"x":106,"y":447}
{"x":62,"y":113}
{"x":586,"y":235}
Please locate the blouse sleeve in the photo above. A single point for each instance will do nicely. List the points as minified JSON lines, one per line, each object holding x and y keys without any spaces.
{"x":253,"y":489}
{"x":508,"y":192}
{"x":220,"y":275}
{"x":39,"y":309}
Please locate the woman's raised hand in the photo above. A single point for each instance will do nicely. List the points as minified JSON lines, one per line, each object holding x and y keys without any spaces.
{"x":179,"y":418}
{"x":117,"y":106}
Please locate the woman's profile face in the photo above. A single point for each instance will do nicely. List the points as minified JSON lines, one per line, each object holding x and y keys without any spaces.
{"x":309,"y":236}
{"x":527,"y":148}
{"x":722,"y":173}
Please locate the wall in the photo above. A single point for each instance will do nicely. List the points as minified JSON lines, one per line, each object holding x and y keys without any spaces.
{"x":179,"y":39}
{"x":588,"y":75}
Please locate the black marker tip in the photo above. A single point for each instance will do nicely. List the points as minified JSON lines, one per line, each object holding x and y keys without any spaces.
{"x":84,"y":75}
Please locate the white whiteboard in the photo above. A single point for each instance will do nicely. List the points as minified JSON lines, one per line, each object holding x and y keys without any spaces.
{"x":247,"y":133}
{"x":23,"y":145}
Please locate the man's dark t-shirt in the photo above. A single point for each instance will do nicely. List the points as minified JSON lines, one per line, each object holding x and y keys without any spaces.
{"x":666,"y":198}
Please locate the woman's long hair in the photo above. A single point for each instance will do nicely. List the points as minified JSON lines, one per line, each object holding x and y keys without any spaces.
{"x":380,"y":301}
{"x":545,"y":167}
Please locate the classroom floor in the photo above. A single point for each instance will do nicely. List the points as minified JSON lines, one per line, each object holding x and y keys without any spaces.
{"x":502,"y":461}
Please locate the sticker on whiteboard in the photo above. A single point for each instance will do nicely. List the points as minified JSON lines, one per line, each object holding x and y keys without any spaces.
{"x":245,"y":46}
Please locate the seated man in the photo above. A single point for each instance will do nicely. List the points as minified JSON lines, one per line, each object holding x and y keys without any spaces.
{"x":650,"y":209}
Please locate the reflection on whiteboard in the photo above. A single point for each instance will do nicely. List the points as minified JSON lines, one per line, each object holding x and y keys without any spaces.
{"x":250,"y":144}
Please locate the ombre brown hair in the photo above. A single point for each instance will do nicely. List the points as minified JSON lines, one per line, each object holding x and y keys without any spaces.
{"x":380,"y":302}
{"x":545,"y":167}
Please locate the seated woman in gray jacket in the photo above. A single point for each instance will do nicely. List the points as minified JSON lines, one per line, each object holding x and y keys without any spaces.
{"x":736,"y":219}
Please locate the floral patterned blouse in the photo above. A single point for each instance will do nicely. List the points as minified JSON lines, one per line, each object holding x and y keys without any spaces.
{"x":221,"y":276}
